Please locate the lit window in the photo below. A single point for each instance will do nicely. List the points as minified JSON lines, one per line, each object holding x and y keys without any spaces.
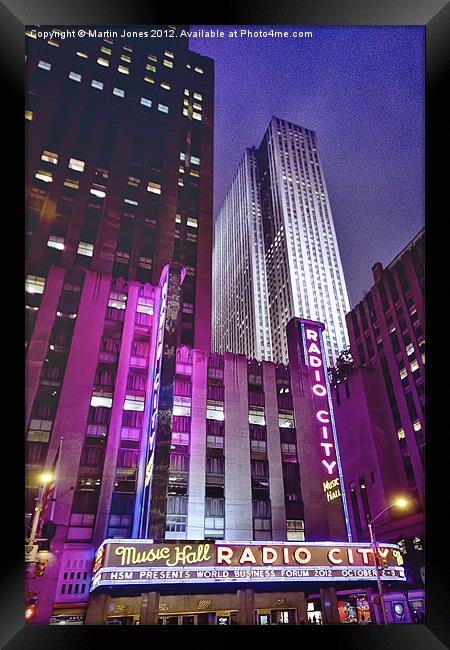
{"x":163,"y":108}
{"x":75,"y":76}
{"x":154,"y":187}
{"x":186,"y":92}
{"x":152,"y":57}
{"x":182,"y":406}
{"x":182,"y":156}
{"x":83,"y":55}
{"x":133,"y":403}
{"x":285,"y":420}
{"x":165,"y":85}
{"x":77,"y":165}
{"x":53,"y":43}
{"x":256,"y":415}
{"x":103,"y":62}
{"x":169,"y":54}
{"x":119,"y":92}
{"x":403,"y":373}
{"x":123,"y":69}
{"x":134,"y":182}
{"x":146,"y":102}
{"x":198,"y":96}
{"x":28,"y":115}
{"x":85,"y":249}
{"x":98,"y":190}
{"x":185,"y":112}
{"x":130,"y":201}
{"x":192,"y":222}
{"x":150,"y":67}
{"x":410,"y":349}
{"x":56,"y":242}
{"x":44,"y":65}
{"x":50,"y":157}
{"x":149,"y":80}
{"x":127,"y":48}
{"x":195,"y":160}
{"x":34,"y":284}
{"x":400,"y":434}
{"x":97,"y":84}
{"x":197,"y":106}
{"x":197,"y":116}
{"x":69,"y":182}
{"x":417,"y":426}
{"x":214,"y":411}
{"x":43,"y":175}
{"x":178,"y":218}
{"x":105,"y":50}
{"x":168,"y":64}
{"x":199,"y":70}
{"x":124,"y":57}
{"x":97,"y":400}
{"x":414,"y":365}
{"x":194,"y":173}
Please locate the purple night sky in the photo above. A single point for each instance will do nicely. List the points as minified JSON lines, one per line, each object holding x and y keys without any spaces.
{"x":362,"y":91}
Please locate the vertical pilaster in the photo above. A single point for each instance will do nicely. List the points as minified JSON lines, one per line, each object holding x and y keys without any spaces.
{"x":246,"y":606}
{"x":274,"y":453}
{"x":196,"y":491}
{"x":149,"y":608}
{"x":328,"y":602}
{"x":238,"y":486}
{"x":97,"y":609}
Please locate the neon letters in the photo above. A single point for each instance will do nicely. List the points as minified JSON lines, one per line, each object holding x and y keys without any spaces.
{"x":314,"y":357}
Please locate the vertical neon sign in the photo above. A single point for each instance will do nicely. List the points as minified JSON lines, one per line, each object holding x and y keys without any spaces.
{"x":314,"y":358}
{"x":143,"y":508}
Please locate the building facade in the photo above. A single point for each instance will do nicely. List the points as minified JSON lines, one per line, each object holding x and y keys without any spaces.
{"x":379,"y":411}
{"x":281,"y":185}
{"x":119,"y":162}
{"x":118,"y":185}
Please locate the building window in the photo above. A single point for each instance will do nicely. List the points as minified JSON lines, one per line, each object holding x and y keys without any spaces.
{"x":155,"y":188}
{"x":75,"y":76}
{"x":44,"y":65}
{"x":97,"y":84}
{"x":163,"y":108}
{"x":118,"y":92}
{"x":146,"y":102}
{"x":85,"y":249}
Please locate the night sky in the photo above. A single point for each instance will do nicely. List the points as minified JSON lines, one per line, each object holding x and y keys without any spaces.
{"x":362,"y":91}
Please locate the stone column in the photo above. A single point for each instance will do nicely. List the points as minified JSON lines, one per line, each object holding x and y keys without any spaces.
{"x":329,"y":606}
{"x":246,"y":606}
{"x":97,"y":609}
{"x":196,"y":492}
{"x":238,"y":486}
{"x":149,"y":608}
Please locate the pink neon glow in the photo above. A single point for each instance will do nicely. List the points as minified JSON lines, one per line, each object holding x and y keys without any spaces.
{"x":327,"y":446}
{"x":319,"y":390}
{"x":329,"y":466}
{"x":320,"y":417}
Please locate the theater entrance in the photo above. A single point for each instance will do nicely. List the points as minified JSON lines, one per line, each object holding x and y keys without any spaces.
{"x":200,"y":618}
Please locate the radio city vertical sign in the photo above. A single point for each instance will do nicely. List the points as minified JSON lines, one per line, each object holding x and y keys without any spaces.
{"x":330,"y":465}
{"x":154,"y":466}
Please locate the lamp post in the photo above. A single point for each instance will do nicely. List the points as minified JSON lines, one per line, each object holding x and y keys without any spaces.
{"x":45,"y":478}
{"x":400,"y":503}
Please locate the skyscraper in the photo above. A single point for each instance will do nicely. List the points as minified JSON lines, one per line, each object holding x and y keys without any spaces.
{"x":119,"y":161}
{"x":303,"y":270}
{"x":119,"y":196}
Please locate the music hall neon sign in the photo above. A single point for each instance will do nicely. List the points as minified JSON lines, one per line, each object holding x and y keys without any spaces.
{"x":333,"y":484}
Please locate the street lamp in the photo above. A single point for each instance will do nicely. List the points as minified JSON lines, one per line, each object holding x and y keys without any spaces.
{"x":45,"y":478}
{"x":400,"y":503}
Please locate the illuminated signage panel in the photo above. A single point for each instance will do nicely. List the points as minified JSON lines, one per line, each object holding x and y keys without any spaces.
{"x":330,"y":468}
{"x":134,"y":562}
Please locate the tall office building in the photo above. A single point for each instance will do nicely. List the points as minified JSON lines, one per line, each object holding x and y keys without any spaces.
{"x":119,"y":186}
{"x":119,"y":161}
{"x":240,"y":299}
{"x":303,"y":270}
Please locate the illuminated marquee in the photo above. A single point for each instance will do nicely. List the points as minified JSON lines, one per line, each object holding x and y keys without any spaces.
{"x":127,"y":562}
